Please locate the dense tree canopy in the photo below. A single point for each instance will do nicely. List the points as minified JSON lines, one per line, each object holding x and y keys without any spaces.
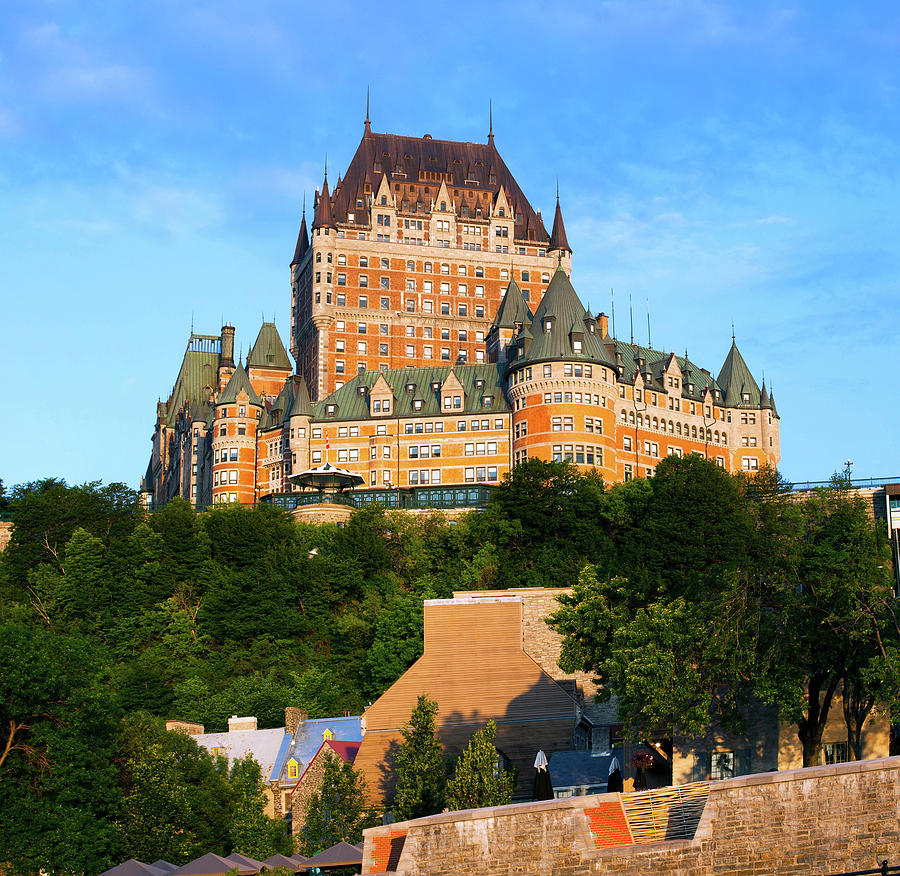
{"x":694,"y":590}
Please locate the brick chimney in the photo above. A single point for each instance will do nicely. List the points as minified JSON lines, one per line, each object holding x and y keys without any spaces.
{"x":293,"y":718}
{"x":235,"y":724}
{"x":603,"y":325}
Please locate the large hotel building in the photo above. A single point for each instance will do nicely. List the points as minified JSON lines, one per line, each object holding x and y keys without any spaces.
{"x":438,"y":342}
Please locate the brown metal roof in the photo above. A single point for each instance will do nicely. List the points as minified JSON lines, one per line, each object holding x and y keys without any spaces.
{"x":323,"y":217}
{"x":558,"y":239}
{"x":424,"y":161}
{"x":476,"y":670}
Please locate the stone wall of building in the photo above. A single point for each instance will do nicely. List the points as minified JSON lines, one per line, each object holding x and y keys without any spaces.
{"x":813,"y":821}
{"x":5,"y":533}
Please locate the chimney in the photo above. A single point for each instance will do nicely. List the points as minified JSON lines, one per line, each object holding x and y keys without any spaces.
{"x":227,"y":355}
{"x":293,"y":718}
{"x":603,"y":325}
{"x":235,"y":724}
{"x":186,"y":727}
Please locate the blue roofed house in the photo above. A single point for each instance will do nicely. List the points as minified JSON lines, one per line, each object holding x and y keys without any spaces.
{"x":283,"y":753}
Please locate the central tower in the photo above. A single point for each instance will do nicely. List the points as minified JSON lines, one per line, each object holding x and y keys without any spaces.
{"x":409,"y":257}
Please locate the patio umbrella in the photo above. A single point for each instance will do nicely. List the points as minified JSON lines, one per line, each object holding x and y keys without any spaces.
{"x":295,"y":863}
{"x":133,"y":867}
{"x":213,"y":865}
{"x":543,"y":787}
{"x":340,"y":855}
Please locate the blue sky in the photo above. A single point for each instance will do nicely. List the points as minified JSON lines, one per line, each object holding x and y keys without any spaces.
{"x":727,"y":161}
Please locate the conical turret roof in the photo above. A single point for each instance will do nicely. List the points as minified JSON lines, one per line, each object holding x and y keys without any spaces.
{"x":239,"y":381}
{"x":301,"y":405}
{"x":558,"y":239}
{"x":559,"y":322}
{"x":736,"y":381}
{"x":302,"y":240}
{"x":513,"y":309}
{"x":323,"y":217}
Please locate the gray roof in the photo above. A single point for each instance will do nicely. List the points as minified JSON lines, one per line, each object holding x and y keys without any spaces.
{"x":264,"y":745}
{"x":309,"y":737}
{"x":578,"y":769}
{"x":199,"y":370}
{"x":560,"y":320}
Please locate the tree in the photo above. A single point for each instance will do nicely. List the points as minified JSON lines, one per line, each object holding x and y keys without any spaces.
{"x":57,"y":738}
{"x":338,"y":811}
{"x":252,"y":832}
{"x":479,"y":779}
{"x":177,"y":798}
{"x":420,"y":769}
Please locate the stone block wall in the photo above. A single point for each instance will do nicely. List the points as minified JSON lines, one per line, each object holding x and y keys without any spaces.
{"x":5,"y":533}
{"x":810,"y":821}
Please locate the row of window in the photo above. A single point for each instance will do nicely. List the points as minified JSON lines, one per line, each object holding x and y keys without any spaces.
{"x":229,"y":476}
{"x":428,"y":267}
{"x":580,"y":454}
{"x":226,"y":454}
{"x":693,"y":432}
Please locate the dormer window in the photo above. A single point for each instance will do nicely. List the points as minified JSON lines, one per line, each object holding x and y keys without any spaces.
{"x":576,"y":346}
{"x":435,"y":386}
{"x":487,"y":401}
{"x":548,"y":324}
{"x":329,"y":410}
{"x":417,"y":404}
{"x":479,"y":384}
{"x":746,"y":395}
{"x":410,"y":387}
{"x":361,"y":390}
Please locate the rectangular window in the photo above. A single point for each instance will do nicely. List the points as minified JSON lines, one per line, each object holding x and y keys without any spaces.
{"x":721,"y":765}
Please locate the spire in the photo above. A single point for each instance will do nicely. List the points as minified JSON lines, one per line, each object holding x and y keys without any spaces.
{"x":558,"y":240}
{"x":323,"y":217}
{"x":368,"y":130}
{"x":490,"y":122}
{"x":513,"y":309}
{"x":302,"y":238}
{"x":764,"y":395}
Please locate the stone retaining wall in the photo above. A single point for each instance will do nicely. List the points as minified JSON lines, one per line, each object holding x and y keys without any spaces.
{"x":811,"y":821}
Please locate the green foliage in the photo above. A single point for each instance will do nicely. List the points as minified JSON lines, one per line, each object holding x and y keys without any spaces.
{"x":338,"y":811}
{"x":252,"y":832}
{"x":479,"y":779}
{"x":420,"y":769}
{"x":57,"y":737}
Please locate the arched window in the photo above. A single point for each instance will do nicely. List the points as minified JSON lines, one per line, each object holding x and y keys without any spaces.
{"x":655,"y":423}
{"x":693,"y":431}
{"x":678,"y":428}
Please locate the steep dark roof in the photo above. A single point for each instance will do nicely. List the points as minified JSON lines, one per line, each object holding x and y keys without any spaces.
{"x":655,"y":361}
{"x":268,"y":350}
{"x":513,"y":309}
{"x":302,"y":240}
{"x":323,"y":217}
{"x":239,"y":381}
{"x":563,"y":313}
{"x":558,"y":239}
{"x":467,"y":167}
{"x":735,"y":380}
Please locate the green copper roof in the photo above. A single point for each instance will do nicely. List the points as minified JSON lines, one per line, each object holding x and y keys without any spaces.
{"x":301,"y":406}
{"x":513,"y":310}
{"x":199,"y":370}
{"x":239,"y":381}
{"x":350,"y":404}
{"x":655,"y":361}
{"x":736,"y":380}
{"x":558,"y":322}
{"x":268,"y":351}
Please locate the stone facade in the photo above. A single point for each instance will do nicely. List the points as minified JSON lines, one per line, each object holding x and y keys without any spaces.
{"x":817,"y":820}
{"x":5,"y":533}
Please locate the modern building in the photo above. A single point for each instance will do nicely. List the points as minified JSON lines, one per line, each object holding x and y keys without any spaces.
{"x":439,"y":341}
